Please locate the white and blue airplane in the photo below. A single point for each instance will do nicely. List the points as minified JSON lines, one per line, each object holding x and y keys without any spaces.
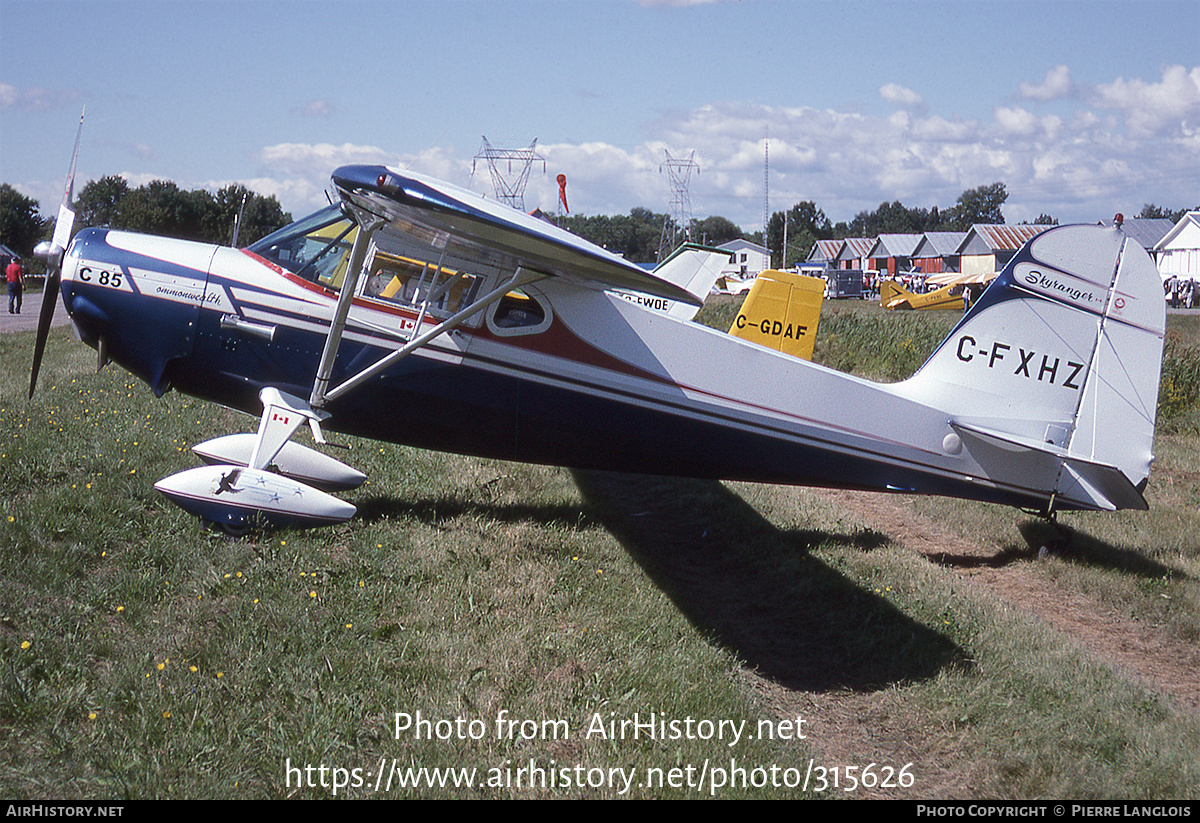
{"x":415,"y":312}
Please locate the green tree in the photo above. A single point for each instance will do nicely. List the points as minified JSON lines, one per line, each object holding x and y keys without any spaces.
{"x":978,"y":205}
{"x":1152,"y":211}
{"x":890,"y":218}
{"x":162,"y":207}
{"x":635,"y":235}
{"x":263,"y":215}
{"x":713,"y":231}
{"x":21,"y":222}
{"x":260,"y":215}
{"x":805,"y":225}
{"x":99,"y":202}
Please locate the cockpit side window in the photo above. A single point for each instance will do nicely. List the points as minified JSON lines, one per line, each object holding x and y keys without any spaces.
{"x":519,"y":312}
{"x":409,"y":282}
{"x":316,"y":248}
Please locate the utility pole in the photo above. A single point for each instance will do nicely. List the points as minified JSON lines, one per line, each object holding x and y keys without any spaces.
{"x":767,"y":190}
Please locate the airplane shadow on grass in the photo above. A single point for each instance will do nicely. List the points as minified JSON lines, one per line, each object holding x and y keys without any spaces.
{"x":754,"y":589}
{"x":759,"y":591}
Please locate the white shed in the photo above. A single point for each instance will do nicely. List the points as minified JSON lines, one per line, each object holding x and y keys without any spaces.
{"x":748,"y":259}
{"x":1178,"y":252}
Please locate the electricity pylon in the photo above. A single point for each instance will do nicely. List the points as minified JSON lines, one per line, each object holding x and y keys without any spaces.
{"x":679,"y":217}
{"x":509,"y":189}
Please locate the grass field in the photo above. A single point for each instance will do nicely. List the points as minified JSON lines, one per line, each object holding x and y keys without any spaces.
{"x":536,"y":632}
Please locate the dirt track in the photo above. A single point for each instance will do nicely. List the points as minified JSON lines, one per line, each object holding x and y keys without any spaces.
{"x":1146,"y":653}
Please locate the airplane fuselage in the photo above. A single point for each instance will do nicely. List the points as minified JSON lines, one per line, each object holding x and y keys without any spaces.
{"x":587,"y":379}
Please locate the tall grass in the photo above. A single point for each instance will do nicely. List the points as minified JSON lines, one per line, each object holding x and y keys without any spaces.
{"x":876,"y":343}
{"x":1179,"y":390}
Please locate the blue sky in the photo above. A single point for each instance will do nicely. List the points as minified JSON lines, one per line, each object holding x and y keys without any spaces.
{"x":1081,"y":108}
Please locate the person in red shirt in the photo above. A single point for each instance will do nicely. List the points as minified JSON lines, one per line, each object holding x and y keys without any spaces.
{"x":16,"y":285}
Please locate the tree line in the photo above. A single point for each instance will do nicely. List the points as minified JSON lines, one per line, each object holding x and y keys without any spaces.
{"x":636,"y":235}
{"x":806,"y":224}
{"x":160,"y":207}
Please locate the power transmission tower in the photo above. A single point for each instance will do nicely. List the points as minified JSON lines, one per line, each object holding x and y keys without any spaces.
{"x":679,"y":217}
{"x":509,"y":189}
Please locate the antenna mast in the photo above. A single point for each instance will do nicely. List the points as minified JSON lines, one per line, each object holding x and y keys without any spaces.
{"x":766,"y":183}
{"x":679,"y":217}
{"x":509,"y":188}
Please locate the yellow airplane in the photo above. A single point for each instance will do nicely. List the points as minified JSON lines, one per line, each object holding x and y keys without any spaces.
{"x":781,"y":312}
{"x":894,"y":296}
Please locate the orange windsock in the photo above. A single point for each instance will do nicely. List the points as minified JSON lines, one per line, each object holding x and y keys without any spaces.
{"x":562,"y":192}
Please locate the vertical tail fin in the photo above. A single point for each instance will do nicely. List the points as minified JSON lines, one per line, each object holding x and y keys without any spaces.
{"x":1061,"y":357}
{"x":695,"y":268}
{"x":781,"y":312}
{"x":890,"y":290}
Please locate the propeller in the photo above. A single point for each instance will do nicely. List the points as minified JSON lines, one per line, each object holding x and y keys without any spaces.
{"x":52,"y":252}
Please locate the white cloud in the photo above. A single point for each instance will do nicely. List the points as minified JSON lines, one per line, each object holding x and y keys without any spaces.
{"x":36,"y":98}
{"x":301,"y":157}
{"x":317,"y":108}
{"x":298,"y":173}
{"x":900,"y":95}
{"x":1015,"y":121}
{"x":1057,"y":85}
{"x":1153,"y":108}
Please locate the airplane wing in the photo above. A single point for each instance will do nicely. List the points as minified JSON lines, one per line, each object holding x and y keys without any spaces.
{"x":491,"y":232}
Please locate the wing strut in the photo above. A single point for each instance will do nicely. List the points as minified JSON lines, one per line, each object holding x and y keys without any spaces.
{"x":333,"y":341}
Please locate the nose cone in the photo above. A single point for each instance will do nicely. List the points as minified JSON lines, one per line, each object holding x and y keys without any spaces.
{"x":138,"y":296}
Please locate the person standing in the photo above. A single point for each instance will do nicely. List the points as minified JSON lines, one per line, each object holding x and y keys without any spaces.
{"x":16,"y":285}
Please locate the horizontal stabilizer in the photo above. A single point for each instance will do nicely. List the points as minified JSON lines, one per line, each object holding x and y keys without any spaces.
{"x":1090,"y":485}
{"x":1005,"y":440}
{"x":1082,"y":480}
{"x":294,"y":460}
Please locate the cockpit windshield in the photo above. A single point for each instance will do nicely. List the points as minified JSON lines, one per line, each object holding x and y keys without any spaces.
{"x":397,"y":269}
{"x":316,"y":248}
